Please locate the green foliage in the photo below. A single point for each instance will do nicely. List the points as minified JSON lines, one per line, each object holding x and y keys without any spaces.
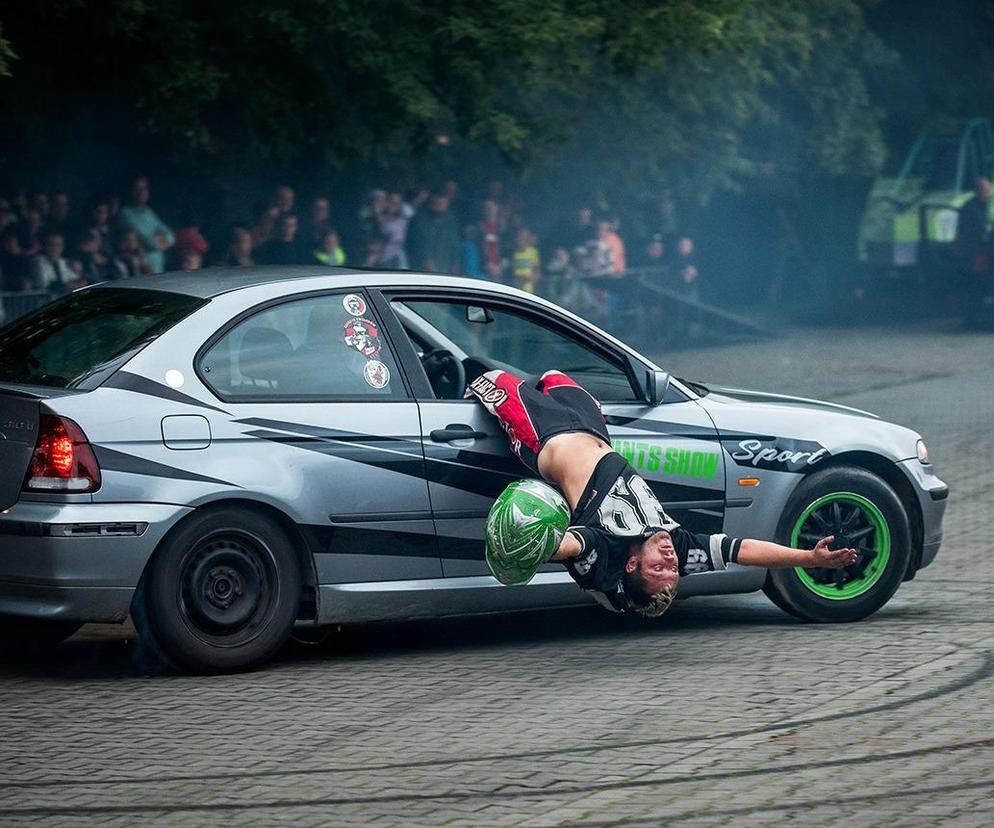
{"x":6,"y":55}
{"x":699,"y":95}
{"x":770,"y":90}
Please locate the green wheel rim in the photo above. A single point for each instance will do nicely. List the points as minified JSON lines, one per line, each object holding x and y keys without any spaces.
{"x":856,"y":522}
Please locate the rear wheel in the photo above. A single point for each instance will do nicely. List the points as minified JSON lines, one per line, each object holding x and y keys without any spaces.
{"x":23,"y":636}
{"x":221,"y":592}
{"x":862,"y":512}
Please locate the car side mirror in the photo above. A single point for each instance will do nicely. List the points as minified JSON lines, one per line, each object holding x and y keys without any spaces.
{"x":478,"y":314}
{"x":655,"y":386}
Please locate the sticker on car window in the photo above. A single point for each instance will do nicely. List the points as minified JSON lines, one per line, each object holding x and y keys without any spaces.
{"x":354,"y":304}
{"x":376,"y":374}
{"x":364,"y":336}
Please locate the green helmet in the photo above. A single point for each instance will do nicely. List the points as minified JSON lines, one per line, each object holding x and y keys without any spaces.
{"x":524,"y":529}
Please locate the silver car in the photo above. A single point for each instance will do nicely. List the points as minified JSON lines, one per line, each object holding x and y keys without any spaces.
{"x":229,"y":453}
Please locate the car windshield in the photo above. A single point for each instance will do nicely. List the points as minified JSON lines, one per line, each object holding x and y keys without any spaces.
{"x":74,"y":341}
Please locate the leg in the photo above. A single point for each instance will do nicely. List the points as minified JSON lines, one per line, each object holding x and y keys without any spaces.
{"x":584,"y":408}
{"x":504,"y":395}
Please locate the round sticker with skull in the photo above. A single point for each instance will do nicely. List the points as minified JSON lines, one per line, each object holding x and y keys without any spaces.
{"x":363,"y":335}
{"x":354,"y":305}
{"x":376,"y":374}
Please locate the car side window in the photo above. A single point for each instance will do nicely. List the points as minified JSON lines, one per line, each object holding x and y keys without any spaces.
{"x":484,"y":337}
{"x":314,"y":348}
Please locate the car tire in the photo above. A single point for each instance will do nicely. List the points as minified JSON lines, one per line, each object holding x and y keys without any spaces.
{"x":863,"y":512}
{"x":221,"y":592}
{"x":26,"y":636}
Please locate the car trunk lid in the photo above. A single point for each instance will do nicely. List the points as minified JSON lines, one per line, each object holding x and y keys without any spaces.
{"x":19,"y":418}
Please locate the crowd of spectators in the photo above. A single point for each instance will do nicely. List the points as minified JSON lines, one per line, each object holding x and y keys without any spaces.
{"x":50,"y":244}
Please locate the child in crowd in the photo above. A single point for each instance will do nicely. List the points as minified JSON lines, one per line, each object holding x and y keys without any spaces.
{"x":330,"y":250}
{"x":525,"y":264}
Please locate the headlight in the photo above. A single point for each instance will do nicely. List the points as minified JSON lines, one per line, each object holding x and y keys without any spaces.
{"x":922,"y":453}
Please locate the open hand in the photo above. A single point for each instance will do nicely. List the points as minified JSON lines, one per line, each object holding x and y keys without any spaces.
{"x":832,"y":558}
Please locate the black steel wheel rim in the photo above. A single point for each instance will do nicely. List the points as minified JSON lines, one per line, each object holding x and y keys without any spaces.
{"x":229,"y":588}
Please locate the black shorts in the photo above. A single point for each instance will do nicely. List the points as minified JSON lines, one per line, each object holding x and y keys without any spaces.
{"x":532,"y":416}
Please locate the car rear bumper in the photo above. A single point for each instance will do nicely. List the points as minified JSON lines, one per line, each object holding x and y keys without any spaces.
{"x":87,"y":604}
{"x":80,"y":561}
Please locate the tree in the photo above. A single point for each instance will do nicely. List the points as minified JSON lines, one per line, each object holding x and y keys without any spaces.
{"x":700,"y":95}
{"x":6,"y":55}
{"x":336,"y":79}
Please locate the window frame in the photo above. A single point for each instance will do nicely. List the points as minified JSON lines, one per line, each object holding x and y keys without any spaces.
{"x":622,"y":360}
{"x":407,"y":397}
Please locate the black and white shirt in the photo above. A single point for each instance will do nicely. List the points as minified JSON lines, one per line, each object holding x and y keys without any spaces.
{"x":618,"y":509}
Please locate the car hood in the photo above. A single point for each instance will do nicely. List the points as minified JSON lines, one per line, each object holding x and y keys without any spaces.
{"x":753,"y":423}
{"x":780,"y":402}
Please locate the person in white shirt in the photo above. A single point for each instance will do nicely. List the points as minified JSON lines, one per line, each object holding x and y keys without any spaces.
{"x":49,"y":270}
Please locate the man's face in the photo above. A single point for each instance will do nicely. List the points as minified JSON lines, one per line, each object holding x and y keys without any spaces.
{"x":54,"y":245}
{"x":320,"y":210}
{"x":60,"y":206}
{"x":128,"y":242}
{"x":288,"y":228}
{"x":657,"y":562}
{"x":242,"y":242}
{"x":140,"y":192}
{"x":983,"y":189}
{"x":39,"y":201}
{"x":284,"y":199}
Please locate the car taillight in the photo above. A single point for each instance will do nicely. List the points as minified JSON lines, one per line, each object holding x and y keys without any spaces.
{"x":63,"y":460}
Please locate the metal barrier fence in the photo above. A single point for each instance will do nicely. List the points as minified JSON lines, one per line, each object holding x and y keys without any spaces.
{"x":13,"y":305}
{"x":640,"y":309}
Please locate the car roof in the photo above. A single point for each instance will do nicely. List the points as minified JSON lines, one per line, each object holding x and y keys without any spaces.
{"x":211,"y":282}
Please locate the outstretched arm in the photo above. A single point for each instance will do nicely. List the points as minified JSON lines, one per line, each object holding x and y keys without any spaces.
{"x":774,"y":556}
{"x":569,"y":547}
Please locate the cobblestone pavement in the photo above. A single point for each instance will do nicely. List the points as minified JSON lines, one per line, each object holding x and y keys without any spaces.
{"x":725,"y":711}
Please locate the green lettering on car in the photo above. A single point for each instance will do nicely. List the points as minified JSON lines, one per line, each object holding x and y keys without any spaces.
{"x":671,"y":461}
{"x":669,"y":467}
{"x":653,"y":464}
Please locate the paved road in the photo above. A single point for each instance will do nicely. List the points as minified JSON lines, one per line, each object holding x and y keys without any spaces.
{"x":726,"y":710}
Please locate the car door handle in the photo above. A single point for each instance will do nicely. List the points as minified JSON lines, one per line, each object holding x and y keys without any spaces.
{"x":456,"y":431}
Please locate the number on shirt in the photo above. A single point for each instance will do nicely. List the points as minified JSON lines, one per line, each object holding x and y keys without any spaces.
{"x":697,"y":561}
{"x":630,"y":508}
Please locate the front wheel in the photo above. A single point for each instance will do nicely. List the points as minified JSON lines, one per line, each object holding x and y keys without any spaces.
{"x":862,"y":512}
{"x":221,"y":592}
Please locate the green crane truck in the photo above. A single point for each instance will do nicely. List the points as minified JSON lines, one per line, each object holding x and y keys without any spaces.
{"x":909,"y":223}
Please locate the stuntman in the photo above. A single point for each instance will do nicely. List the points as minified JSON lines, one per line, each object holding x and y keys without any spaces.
{"x":621,"y":545}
